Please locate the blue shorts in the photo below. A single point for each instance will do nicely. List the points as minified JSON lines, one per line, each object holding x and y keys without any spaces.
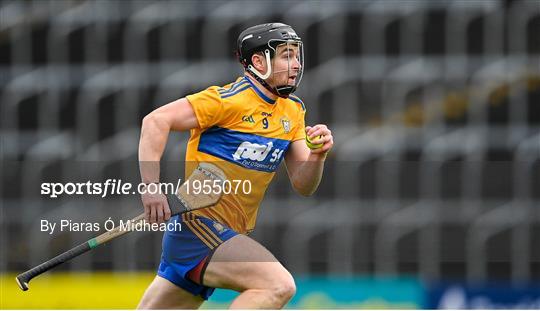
{"x":186,"y":249}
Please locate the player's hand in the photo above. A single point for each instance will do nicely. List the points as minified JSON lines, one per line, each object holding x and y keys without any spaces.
{"x":156,"y":207}
{"x":327,"y":139}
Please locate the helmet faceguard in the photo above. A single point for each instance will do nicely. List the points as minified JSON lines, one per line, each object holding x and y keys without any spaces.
{"x":266,"y":38}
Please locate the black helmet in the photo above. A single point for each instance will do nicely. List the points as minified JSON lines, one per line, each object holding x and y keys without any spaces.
{"x":259,"y":37}
{"x":265,"y":38}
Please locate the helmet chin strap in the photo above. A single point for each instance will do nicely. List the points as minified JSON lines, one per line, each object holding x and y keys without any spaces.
{"x":281,"y":90}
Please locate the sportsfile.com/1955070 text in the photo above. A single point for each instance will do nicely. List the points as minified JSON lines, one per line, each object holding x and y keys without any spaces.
{"x":119,"y":187}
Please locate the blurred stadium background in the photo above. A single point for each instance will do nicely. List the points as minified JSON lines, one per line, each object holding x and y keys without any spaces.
{"x":430,"y":197}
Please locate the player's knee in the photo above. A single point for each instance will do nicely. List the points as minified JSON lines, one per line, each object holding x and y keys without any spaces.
{"x":287,"y":290}
{"x":284,"y":289}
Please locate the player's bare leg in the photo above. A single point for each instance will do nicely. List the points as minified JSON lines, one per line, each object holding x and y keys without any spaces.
{"x":246,"y":266}
{"x":162,"y":294}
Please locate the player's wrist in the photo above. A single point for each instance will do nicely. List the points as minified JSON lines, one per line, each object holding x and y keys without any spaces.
{"x":150,"y":188}
{"x":318,"y":156}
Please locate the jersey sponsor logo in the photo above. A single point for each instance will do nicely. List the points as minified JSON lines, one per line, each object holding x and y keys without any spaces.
{"x":245,"y":149}
{"x":252,"y":151}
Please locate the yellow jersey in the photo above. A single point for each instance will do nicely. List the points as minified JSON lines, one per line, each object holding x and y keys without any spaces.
{"x":246,"y":134}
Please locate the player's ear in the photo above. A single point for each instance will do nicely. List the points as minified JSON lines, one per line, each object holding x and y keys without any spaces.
{"x":258,"y":62}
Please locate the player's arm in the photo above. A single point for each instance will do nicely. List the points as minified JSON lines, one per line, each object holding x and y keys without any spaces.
{"x":175,"y":116}
{"x":305,"y":166}
{"x":156,"y":126}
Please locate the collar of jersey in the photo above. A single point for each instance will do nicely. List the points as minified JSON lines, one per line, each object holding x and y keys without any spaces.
{"x":260,"y":93}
